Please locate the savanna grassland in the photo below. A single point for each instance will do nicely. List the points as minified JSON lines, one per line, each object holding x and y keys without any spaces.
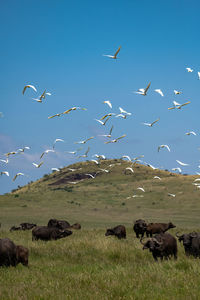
{"x":88,"y":265}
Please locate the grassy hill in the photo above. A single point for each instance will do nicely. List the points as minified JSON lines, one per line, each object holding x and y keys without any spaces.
{"x":106,"y":199}
{"x":88,"y":265}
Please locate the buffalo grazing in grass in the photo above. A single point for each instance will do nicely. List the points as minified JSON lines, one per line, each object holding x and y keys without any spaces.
{"x":118,"y":231}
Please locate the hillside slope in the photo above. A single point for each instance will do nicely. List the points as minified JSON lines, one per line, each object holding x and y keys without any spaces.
{"x":105,"y":199}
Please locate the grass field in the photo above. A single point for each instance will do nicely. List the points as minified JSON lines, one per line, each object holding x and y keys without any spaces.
{"x":88,"y":265}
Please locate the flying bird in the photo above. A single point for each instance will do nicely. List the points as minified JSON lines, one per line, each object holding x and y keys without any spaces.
{"x":5,"y":173}
{"x":46,"y":152}
{"x":130,"y":169}
{"x":172,"y":195}
{"x":181,"y":163}
{"x":177,"y":169}
{"x":140,"y":188}
{"x":163,"y":146}
{"x":143,"y":91}
{"x":18,"y":174}
{"x":113,"y":56}
{"x":177,"y":92}
{"x":28,"y":86}
{"x":83,"y":142}
{"x":104,"y":170}
{"x":126,"y":156}
{"x":190,"y":132}
{"x":100,"y":156}
{"x":55,"y":169}
{"x":90,"y":175}
{"x":57,"y":140}
{"x":157,"y":177}
{"x":122,"y":111}
{"x":151,"y":124}
{"x":95,"y":161}
{"x":189,"y":70}
{"x":5,"y":160}
{"x":159,"y":92}
{"x":108,"y":102}
{"x":115,"y":140}
{"x":38,"y":165}
{"x":198,"y":75}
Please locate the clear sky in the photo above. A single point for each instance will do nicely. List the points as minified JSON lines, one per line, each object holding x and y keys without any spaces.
{"x":59,"y":46}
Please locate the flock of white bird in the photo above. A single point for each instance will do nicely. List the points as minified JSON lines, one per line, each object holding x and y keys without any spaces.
{"x":103,"y":121}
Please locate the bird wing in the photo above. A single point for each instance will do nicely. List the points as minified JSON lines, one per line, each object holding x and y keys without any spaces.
{"x":28,"y":86}
{"x":155,"y":122}
{"x":67,"y":111}
{"x":148,"y":86}
{"x":88,"y":149}
{"x":183,"y":104}
{"x":15,"y":177}
{"x":181,"y":163}
{"x":115,"y":55}
{"x":111,"y":129}
{"x":42,"y":155}
{"x":166,"y":146}
{"x":106,"y":120}
{"x":89,"y":138}
{"x":120,"y":137}
{"x":43,"y":95}
{"x":56,"y":115}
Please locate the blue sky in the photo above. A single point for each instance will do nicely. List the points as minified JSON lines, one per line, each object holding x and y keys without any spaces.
{"x":59,"y":46}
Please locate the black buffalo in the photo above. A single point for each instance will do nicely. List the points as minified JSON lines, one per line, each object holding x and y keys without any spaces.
{"x":11,"y":254}
{"x":49,"y":233}
{"x":58,"y":224}
{"x":162,"y":245}
{"x":140,"y":227}
{"x":119,"y":231}
{"x":191,"y":243}
{"x":14,"y":228}
{"x":27,"y":226}
{"x":153,"y":228}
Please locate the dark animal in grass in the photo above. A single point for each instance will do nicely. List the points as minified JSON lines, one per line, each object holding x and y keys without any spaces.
{"x":119,"y":231}
{"x":49,"y":233}
{"x":27,"y":226}
{"x":14,"y":228}
{"x":11,"y":254}
{"x":61,"y":224}
{"x":75,"y":226}
{"x":140,"y":227}
{"x":163,"y":245}
{"x":153,"y":228}
{"x":191,"y":243}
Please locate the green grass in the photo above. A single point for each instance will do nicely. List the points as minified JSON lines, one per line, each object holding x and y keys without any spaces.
{"x":88,"y":265}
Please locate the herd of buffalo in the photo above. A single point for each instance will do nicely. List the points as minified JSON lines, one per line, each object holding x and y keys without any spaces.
{"x":160,"y":244}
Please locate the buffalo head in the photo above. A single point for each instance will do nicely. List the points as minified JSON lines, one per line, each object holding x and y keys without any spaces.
{"x":109,"y":232}
{"x":152,"y":244}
